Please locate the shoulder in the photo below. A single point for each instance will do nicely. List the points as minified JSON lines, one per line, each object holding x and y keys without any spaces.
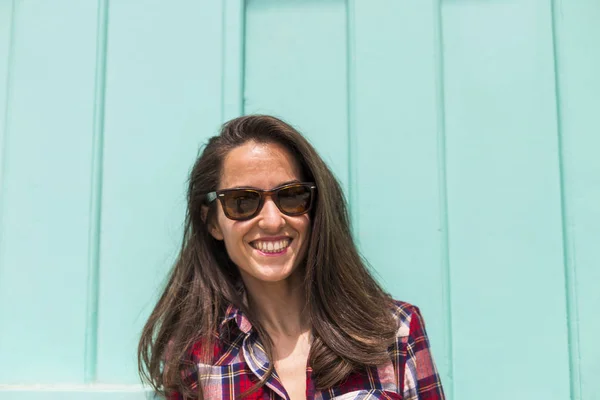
{"x":408,"y":318}
{"x":415,"y":369}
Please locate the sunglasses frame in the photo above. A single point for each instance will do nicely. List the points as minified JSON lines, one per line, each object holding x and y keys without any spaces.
{"x":273,"y":193}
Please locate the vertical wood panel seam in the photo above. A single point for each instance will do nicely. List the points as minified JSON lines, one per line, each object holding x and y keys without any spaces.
{"x":443,"y":192}
{"x":223,"y":44}
{"x":568,"y":261}
{"x":233,"y":51}
{"x":91,"y":333}
{"x":243,"y":57}
{"x":7,"y":97}
{"x":352,"y":156}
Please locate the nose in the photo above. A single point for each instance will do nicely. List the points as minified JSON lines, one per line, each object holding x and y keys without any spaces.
{"x":270,"y":218}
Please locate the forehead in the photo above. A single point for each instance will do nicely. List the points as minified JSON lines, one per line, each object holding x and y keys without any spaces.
{"x":259,"y":165}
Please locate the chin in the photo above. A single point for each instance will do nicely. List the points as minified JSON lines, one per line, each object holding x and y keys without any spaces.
{"x":273,"y":277}
{"x":266,"y":274}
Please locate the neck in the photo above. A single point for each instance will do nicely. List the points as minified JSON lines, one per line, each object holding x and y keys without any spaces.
{"x":279,"y":306}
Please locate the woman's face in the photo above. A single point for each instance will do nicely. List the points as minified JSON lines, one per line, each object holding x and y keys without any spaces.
{"x":262,"y":166}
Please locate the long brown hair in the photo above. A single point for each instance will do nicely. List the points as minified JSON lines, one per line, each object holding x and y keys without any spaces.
{"x":352,"y":325}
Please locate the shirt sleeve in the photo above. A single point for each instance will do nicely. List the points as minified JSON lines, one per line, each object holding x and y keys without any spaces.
{"x":421,"y":379}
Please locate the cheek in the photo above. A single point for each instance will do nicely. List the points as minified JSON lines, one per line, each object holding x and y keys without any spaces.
{"x":304,"y":227}
{"x":233,"y":233}
{"x":232,"y":243}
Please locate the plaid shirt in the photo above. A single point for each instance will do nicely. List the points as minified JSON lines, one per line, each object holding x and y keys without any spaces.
{"x":241,"y":362}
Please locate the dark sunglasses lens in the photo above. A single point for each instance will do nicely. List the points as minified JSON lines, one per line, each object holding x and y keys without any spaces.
{"x":240,"y":203}
{"x":294,"y":199}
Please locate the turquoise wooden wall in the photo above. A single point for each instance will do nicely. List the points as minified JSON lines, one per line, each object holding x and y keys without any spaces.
{"x":466,"y":134}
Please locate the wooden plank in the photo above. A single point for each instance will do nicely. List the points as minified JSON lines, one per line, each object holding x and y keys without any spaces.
{"x":299,"y":73}
{"x":163,"y":99}
{"x":46,"y":192}
{"x":506,"y":256}
{"x":400,"y":170}
{"x":577,"y":65}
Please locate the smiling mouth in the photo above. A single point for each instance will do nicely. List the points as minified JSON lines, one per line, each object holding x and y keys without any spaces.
{"x":271,"y":246}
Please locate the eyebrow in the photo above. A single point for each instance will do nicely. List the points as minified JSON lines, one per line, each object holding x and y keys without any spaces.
{"x":287,"y":183}
{"x":279,"y":185}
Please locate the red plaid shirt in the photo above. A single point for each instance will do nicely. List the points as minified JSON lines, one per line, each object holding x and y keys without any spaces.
{"x":241,"y":362}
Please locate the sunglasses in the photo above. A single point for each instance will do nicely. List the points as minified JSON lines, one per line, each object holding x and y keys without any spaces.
{"x":241,"y":204}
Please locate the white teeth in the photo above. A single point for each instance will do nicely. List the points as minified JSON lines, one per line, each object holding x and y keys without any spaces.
{"x":270,"y":246}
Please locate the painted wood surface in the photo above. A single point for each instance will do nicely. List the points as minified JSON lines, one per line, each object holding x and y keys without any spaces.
{"x":465,"y":134}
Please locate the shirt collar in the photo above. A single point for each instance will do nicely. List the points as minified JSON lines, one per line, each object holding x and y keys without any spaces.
{"x":235,"y":314}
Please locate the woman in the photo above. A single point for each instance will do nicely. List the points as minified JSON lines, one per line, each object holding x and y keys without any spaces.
{"x":269,"y":298}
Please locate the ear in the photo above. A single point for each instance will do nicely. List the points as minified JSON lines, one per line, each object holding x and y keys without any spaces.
{"x":215,"y":231}
{"x":213,"y":228}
